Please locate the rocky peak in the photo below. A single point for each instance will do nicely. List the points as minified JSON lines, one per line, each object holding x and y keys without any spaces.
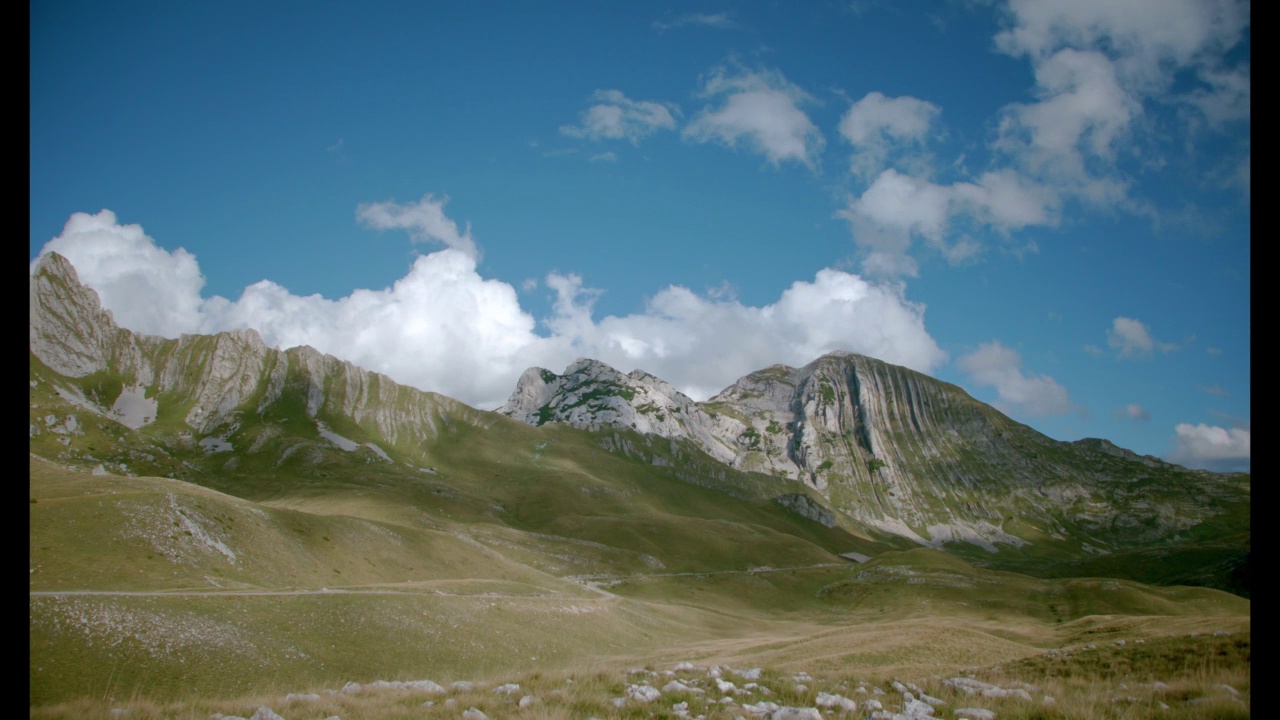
{"x":69,"y":330}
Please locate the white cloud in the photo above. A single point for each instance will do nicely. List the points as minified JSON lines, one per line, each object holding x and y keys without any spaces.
{"x":1134,"y":411}
{"x":425,"y":220}
{"x":877,"y":124}
{"x":1131,"y":339}
{"x":1149,"y":39}
{"x":442,"y":327}
{"x":998,"y":366}
{"x":762,"y":110}
{"x":1215,"y":389}
{"x":1082,"y":114}
{"x":604,"y":157}
{"x":616,"y":117}
{"x":148,"y":289}
{"x":1097,"y":61}
{"x":720,"y":21}
{"x":1211,"y":447}
{"x":897,"y":208}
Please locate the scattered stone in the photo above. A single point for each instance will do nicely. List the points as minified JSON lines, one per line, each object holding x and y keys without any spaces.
{"x":474,"y":714}
{"x":507,"y":689}
{"x":526,"y":701}
{"x":913,"y":708}
{"x":643,"y":693}
{"x":752,"y":674}
{"x":265,"y":713}
{"x":684,"y":666}
{"x":835,"y":701}
{"x":301,"y":697}
{"x":872,"y":704}
{"x":763,"y":708}
{"x":425,"y":686}
{"x":795,"y":713}
{"x":351,"y":688}
{"x":681,"y":709}
{"x":725,"y":687}
{"x":975,"y":714}
{"x":929,"y":698}
{"x":462,"y":685}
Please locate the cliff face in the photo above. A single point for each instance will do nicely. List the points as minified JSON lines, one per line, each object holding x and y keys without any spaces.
{"x":897,"y":450}
{"x":213,"y":387}
{"x":879,"y":446}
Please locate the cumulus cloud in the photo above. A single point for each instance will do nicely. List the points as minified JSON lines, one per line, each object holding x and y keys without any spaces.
{"x":1097,"y":61}
{"x":425,"y":220}
{"x":719,"y":21}
{"x":1131,"y":339}
{"x":897,"y":208}
{"x":1211,"y":447}
{"x":1082,"y":114}
{"x":148,"y":289}
{"x":1134,"y":411}
{"x":443,"y":327}
{"x":876,"y":124}
{"x":616,"y":117}
{"x":761,"y":110}
{"x":998,"y":366}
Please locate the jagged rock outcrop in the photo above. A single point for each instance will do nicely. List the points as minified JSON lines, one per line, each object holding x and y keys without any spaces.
{"x":213,"y":381}
{"x":893,"y":449}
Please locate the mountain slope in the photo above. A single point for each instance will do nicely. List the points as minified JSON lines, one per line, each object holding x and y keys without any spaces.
{"x":890,"y":448}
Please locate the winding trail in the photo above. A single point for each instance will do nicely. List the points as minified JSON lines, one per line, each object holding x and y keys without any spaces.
{"x":589,"y":582}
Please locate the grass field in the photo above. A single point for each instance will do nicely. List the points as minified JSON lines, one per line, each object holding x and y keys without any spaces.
{"x":167,"y":599}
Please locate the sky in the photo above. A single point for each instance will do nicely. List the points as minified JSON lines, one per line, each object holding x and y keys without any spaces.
{"x":1044,"y":202}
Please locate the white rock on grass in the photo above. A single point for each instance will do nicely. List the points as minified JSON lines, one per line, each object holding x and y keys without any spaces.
{"x":676,"y":686}
{"x":265,"y":713}
{"x":680,"y":709}
{"x":474,"y":714}
{"x":752,"y":674}
{"x":975,"y":714}
{"x":795,"y":713}
{"x":835,"y":701}
{"x":425,"y":686}
{"x":872,"y":704}
{"x":725,"y":687}
{"x":913,"y":708}
{"x":351,"y":688}
{"x":507,"y":689}
{"x":643,"y":693}
{"x":763,"y":708}
{"x":936,"y":702}
{"x":301,"y":697}
{"x":684,"y":666}
{"x":462,"y":685}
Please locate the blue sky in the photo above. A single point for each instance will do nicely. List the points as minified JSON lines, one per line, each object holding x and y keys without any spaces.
{"x":1046,"y":203}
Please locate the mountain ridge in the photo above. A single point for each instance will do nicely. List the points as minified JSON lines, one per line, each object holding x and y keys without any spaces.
{"x":848,"y":441}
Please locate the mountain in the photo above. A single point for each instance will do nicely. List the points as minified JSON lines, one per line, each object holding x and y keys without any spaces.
{"x":211,"y":516}
{"x":893,"y":449}
{"x":870,"y":455}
